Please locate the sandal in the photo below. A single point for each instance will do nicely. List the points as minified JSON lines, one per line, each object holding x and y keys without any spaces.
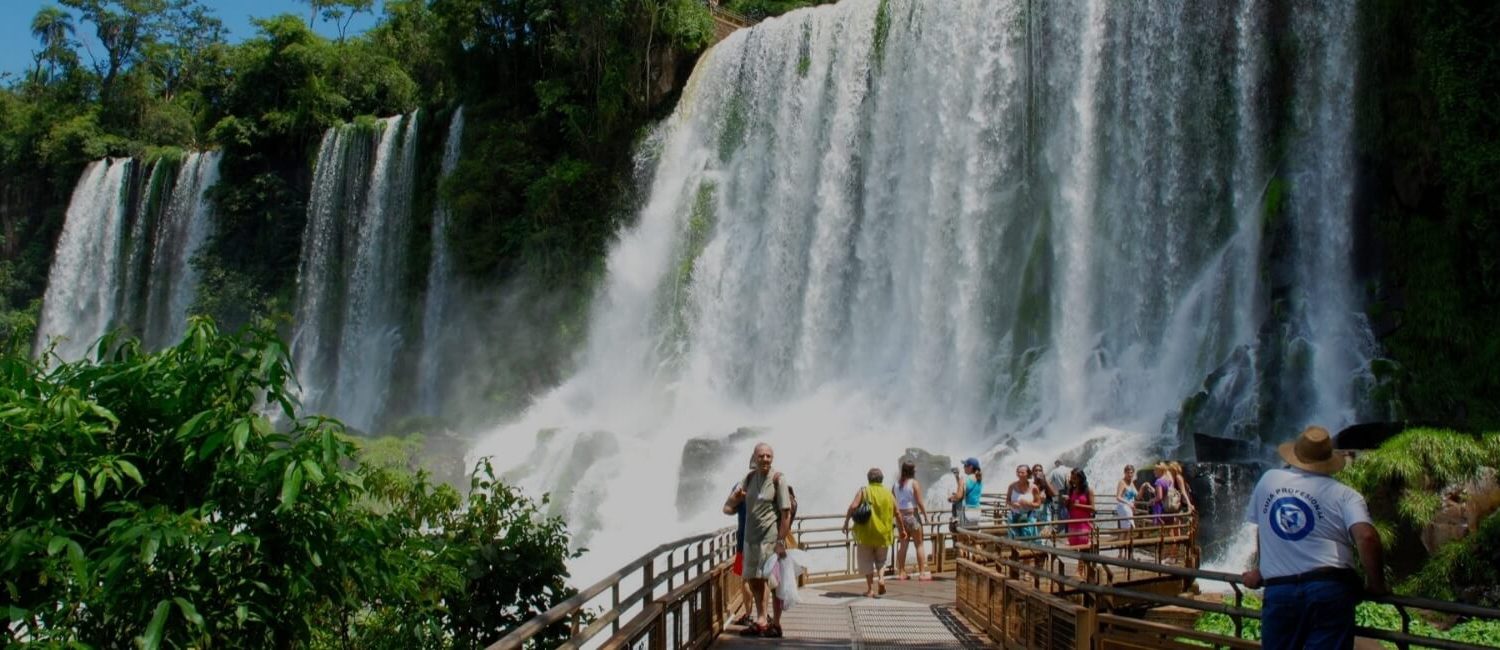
{"x":753,"y":629}
{"x":882,"y":589}
{"x":925,"y":577}
{"x":744,"y":619}
{"x":772,"y":631}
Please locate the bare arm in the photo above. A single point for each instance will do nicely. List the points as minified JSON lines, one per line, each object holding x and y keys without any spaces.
{"x":1187,"y":497}
{"x":733,"y":502}
{"x":859,"y":497}
{"x":1372,"y":556}
{"x":916,"y":489}
{"x":1252,"y":577}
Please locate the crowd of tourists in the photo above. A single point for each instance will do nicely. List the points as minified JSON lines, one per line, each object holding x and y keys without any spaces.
{"x":1309,"y":527}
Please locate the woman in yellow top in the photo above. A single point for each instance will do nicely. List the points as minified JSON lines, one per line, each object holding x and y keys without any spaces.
{"x":874,"y":533}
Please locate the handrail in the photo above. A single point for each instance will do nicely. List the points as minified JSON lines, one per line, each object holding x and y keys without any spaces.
{"x":732,"y":16}
{"x":1402,"y":638}
{"x":567,"y":609}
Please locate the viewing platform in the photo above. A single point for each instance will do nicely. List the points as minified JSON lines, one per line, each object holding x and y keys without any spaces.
{"x":1136,"y":584}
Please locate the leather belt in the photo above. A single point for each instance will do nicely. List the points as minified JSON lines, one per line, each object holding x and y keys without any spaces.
{"x":1340,"y":574}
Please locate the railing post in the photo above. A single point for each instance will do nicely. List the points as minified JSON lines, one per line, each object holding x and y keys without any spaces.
{"x":671,"y":564}
{"x":648,"y":576}
{"x":614,"y":602}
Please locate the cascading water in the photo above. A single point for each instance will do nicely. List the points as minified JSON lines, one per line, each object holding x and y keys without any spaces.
{"x":437,"y":326}
{"x":181,"y":232}
{"x":883,"y":224}
{"x":123,"y":258}
{"x":348,"y":329}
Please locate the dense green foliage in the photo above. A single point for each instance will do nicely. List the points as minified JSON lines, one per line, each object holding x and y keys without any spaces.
{"x":557,"y":92}
{"x":150,"y":500}
{"x":764,"y":8}
{"x":1371,"y":615}
{"x":1403,"y":482}
{"x":1431,"y":75}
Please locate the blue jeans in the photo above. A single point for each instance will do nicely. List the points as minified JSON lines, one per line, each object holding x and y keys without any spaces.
{"x":1316,"y":615}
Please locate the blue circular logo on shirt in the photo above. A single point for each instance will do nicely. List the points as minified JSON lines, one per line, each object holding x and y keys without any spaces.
{"x":1291,"y":518}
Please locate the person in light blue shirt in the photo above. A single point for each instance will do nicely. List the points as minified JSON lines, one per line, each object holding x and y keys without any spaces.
{"x":973,"y":488}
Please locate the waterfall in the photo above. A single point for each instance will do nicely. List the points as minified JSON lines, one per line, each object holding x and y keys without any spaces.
{"x":972,"y":227}
{"x":348,"y":331}
{"x":182,"y":230}
{"x":123,"y":260}
{"x":79,"y":305}
{"x":437,"y":328}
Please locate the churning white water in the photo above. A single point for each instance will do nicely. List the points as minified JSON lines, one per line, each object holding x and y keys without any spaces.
{"x":122,"y":260}
{"x":880,"y":225}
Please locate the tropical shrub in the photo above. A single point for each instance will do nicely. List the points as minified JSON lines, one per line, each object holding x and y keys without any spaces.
{"x":176,"y":499}
{"x":1403,"y":483}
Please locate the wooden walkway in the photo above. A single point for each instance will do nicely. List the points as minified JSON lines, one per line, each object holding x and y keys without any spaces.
{"x":1128,"y":587}
{"x":912,"y":615}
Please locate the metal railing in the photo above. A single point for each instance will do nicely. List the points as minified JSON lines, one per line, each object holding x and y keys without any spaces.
{"x":1021,"y":593}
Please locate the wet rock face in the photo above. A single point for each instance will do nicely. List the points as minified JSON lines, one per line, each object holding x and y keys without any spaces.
{"x":932,"y":471}
{"x":1081,"y":455}
{"x":1464,"y":506}
{"x":1221,"y":492}
{"x":703,"y":479}
{"x":1214,"y":449}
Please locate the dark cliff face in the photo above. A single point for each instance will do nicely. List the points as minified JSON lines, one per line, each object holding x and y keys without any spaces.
{"x":30,"y":222}
{"x":1429,"y":206}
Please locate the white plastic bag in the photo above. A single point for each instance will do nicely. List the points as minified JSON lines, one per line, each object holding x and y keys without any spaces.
{"x":781,"y":573}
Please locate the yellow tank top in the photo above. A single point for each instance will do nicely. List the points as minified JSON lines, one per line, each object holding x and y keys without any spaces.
{"x":877,"y":532}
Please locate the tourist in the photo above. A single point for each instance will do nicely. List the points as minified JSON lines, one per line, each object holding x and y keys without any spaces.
{"x":910,"y":511}
{"x":973,"y":489}
{"x":1021,"y":502}
{"x":768,"y":519}
{"x":956,"y":499}
{"x":1053,"y":507}
{"x":1308,"y":529}
{"x":1058,"y":478}
{"x":1125,"y":494}
{"x":1179,"y":482}
{"x":1163,"y":493}
{"x":735,"y":505}
{"x":1081,"y":509}
{"x":873,"y":529}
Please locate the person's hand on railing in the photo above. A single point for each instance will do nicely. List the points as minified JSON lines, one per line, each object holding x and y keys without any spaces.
{"x":1252,"y":578}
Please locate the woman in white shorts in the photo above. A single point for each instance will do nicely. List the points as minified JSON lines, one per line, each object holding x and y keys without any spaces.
{"x":909,"y":514}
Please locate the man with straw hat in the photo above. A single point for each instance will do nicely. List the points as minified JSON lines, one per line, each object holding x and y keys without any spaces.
{"x":1308,"y":527}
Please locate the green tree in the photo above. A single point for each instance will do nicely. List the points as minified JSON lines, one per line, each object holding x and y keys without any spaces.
{"x":54,"y":29}
{"x":151,"y":502}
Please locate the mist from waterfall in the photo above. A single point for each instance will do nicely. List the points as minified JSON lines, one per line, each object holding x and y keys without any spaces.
{"x":968,"y":227}
{"x":123,"y":259}
{"x":348,"y":330}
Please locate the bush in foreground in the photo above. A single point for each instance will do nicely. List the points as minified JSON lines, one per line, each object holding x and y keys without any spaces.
{"x":150,"y":501}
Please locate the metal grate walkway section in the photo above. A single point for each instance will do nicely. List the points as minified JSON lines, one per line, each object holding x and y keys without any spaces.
{"x":911,"y":616}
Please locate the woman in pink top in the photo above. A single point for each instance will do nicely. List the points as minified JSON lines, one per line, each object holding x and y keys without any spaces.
{"x":1080,"y":506}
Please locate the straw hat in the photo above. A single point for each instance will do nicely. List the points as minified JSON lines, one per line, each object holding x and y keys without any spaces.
{"x":1312,"y":451}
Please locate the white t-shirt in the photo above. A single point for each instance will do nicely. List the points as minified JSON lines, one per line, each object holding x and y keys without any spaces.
{"x":1303,"y":522}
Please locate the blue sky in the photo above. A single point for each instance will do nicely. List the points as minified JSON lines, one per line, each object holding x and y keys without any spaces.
{"x":16,"y":43}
